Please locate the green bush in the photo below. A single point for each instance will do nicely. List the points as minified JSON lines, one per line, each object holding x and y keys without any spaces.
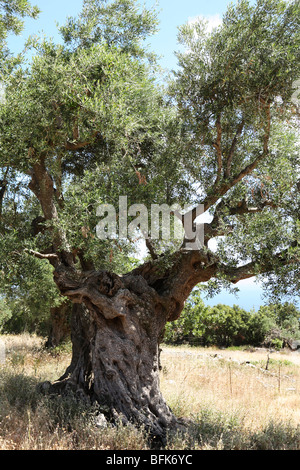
{"x":274,"y":326}
{"x":5,"y":314}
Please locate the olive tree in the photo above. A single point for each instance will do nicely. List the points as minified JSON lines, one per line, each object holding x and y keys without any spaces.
{"x":88,"y":125}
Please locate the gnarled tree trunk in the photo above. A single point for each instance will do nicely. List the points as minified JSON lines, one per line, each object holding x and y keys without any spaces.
{"x":117,"y":326}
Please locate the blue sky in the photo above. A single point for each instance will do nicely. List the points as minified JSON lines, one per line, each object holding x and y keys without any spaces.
{"x":172,"y":13}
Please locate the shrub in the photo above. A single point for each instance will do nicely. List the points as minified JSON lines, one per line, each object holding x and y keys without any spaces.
{"x":273,"y":326}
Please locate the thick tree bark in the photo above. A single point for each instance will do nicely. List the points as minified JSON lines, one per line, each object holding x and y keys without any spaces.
{"x":117,"y":326}
{"x":60,"y":324}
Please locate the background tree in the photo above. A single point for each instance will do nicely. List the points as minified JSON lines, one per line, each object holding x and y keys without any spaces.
{"x":12,"y":14}
{"x":88,"y":123}
{"x":285,"y":329}
{"x":258,"y":328}
{"x":225,"y":326}
{"x":190,"y":325}
{"x":20,"y":276}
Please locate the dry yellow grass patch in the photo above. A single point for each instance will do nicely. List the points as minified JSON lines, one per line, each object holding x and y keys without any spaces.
{"x":26,"y":354}
{"x":234,"y":381}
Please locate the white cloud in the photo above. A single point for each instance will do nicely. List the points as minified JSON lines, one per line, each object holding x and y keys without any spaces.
{"x":213,"y":21}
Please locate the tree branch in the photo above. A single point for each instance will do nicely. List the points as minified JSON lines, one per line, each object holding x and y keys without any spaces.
{"x":217,"y":193}
{"x":75,"y":145}
{"x":232,"y":149}
{"x":49,"y":256}
{"x":217,"y":227}
{"x":218,"y":147}
{"x":42,"y":186}
{"x":151,"y":249}
{"x":239,"y":273}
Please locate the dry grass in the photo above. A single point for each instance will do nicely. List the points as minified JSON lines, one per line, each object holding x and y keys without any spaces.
{"x":235,"y":382}
{"x":234,"y":387}
{"x":31,"y":421}
{"x":231,"y":401}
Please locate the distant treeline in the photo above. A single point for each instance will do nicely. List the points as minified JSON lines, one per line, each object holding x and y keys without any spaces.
{"x":275,"y":325}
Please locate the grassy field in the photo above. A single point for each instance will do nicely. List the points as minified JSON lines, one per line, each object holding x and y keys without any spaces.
{"x":233,"y":399}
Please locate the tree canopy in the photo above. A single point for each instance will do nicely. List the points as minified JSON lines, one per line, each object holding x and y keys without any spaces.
{"x":234,"y":89}
{"x":92,"y":110}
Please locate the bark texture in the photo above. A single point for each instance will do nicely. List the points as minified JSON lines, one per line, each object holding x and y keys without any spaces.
{"x":60,"y":324}
{"x":117,"y":326}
